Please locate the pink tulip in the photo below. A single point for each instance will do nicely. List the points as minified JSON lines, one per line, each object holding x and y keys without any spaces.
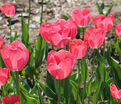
{"x":94,"y":37}
{"x":8,"y":9}
{"x":103,"y":22}
{"x":78,"y":48}
{"x":81,"y":17}
{"x":4,"y":75}
{"x":60,"y":64}
{"x":1,"y":42}
{"x":15,"y":55}
{"x":118,"y":30}
{"x":59,"y":33}
{"x":11,"y":100}
{"x":116,"y":94}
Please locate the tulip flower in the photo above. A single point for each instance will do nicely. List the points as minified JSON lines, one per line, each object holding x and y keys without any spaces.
{"x":78,"y":48}
{"x":11,"y":100}
{"x":118,"y":30}
{"x":116,"y":94}
{"x":4,"y":75}
{"x":81,"y":17}
{"x":94,"y":37}
{"x":8,"y":9}
{"x":58,"y":33}
{"x":103,"y":22}
{"x":1,"y":42}
{"x":60,"y":64}
{"x":15,"y":55}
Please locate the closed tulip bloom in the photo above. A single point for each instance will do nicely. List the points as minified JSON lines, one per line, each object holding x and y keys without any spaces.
{"x":1,"y":42}
{"x":78,"y":48}
{"x":60,"y":64}
{"x":15,"y":55}
{"x":81,"y":17}
{"x":8,"y":9}
{"x":116,"y":94}
{"x":118,"y":30}
{"x":103,"y":22}
{"x":11,"y":100}
{"x":4,"y":75}
{"x":94,"y":37}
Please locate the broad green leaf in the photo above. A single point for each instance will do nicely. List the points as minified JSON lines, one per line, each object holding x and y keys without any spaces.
{"x":100,"y":10}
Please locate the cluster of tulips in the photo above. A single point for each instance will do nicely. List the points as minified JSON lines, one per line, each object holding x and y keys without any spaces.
{"x":60,"y":33}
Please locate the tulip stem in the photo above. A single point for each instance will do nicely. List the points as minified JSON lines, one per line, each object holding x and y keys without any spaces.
{"x":78,"y":81}
{"x":41,"y":17}
{"x":83,"y":29}
{"x":10,"y":29}
{"x":59,"y":92}
{"x":17,"y":82}
{"x":29,"y":12}
{"x":93,"y":60}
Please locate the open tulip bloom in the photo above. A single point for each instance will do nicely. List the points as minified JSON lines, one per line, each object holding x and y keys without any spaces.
{"x":58,"y":33}
{"x":11,"y":100}
{"x":8,"y":9}
{"x":15,"y":55}
{"x":60,"y":64}
{"x":94,"y":37}
{"x":103,"y":22}
{"x":81,"y":17}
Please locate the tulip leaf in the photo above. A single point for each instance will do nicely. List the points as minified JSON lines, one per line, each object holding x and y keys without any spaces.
{"x":84,"y":69}
{"x":41,"y":51}
{"x":109,"y":10}
{"x":100,"y":10}
{"x":115,"y":68}
{"x":25,"y":32}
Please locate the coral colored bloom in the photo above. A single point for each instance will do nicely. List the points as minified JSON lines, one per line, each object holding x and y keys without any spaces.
{"x":116,"y":94}
{"x":15,"y":55}
{"x":59,"y":33}
{"x":94,"y":37}
{"x":103,"y":22}
{"x":73,"y":28}
{"x":11,"y":100}
{"x":78,"y":48}
{"x":4,"y":75}
{"x":60,"y":64}
{"x":1,"y":42}
{"x":118,"y":30}
{"x":8,"y":9}
{"x":81,"y":17}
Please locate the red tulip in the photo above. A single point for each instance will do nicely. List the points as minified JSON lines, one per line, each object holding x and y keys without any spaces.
{"x":60,"y":64}
{"x":94,"y":37}
{"x":4,"y":75}
{"x":73,"y":28}
{"x":15,"y":55}
{"x":45,"y":30}
{"x":1,"y":42}
{"x":118,"y":30}
{"x":8,"y":9}
{"x":59,"y":33}
{"x":103,"y":22}
{"x":11,"y":100}
{"x":81,"y":17}
{"x":116,"y":94}
{"x":78,"y":48}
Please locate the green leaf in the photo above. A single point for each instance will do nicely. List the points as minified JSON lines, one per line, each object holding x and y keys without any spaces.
{"x":102,"y":6}
{"x":100,"y":10}
{"x":109,"y":10}
{"x":25,"y":32}
{"x":41,"y":51}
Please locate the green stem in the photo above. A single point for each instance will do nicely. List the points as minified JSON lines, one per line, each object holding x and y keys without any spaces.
{"x":29,"y":12}
{"x":17,"y":82}
{"x":83,"y":29}
{"x":41,"y":13}
{"x":59,"y":92}
{"x":78,"y":81}
{"x":10,"y":29}
{"x":93,"y":61}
